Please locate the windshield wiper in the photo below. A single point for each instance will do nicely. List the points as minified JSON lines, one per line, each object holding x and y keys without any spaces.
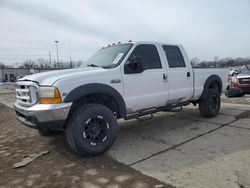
{"x":93,"y":65}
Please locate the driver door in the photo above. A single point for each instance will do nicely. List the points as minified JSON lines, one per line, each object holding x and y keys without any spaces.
{"x":146,"y":88}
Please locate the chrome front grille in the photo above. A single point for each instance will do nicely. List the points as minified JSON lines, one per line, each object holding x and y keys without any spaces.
{"x":244,"y":81}
{"x":26,"y":93}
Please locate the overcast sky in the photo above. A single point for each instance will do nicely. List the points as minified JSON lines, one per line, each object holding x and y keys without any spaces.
{"x":206,"y":28}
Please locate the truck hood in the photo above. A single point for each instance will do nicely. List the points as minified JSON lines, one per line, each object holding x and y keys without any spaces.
{"x":50,"y":77}
{"x":243,"y":76}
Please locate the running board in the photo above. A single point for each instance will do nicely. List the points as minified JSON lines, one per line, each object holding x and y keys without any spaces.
{"x":145,"y":117}
{"x":177,"y":109}
{"x":154,"y":110}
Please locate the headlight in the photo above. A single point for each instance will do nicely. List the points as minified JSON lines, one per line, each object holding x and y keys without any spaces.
{"x":49,"y":95}
{"x":234,"y":80}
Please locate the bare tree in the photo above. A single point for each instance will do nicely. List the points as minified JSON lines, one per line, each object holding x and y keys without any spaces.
{"x":28,"y":64}
{"x":225,"y":62}
{"x":2,"y":65}
{"x":42,"y":63}
{"x":194,"y":61}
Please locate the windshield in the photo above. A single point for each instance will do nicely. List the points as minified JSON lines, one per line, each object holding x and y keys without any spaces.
{"x":109,"y":57}
{"x":245,"y":70}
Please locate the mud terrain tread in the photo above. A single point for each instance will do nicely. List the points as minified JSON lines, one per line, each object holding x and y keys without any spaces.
{"x":74,"y":124}
{"x":204,"y":104}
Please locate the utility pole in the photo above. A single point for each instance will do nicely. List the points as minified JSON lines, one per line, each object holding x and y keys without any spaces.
{"x":70,"y":60}
{"x":56,"y":41}
{"x":49,"y":59}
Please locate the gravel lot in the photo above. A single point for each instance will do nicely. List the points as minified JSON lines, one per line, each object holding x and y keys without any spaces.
{"x":179,"y":149}
{"x":60,"y":167}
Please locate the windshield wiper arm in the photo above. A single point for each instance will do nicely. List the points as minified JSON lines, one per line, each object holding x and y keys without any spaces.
{"x":93,"y":65}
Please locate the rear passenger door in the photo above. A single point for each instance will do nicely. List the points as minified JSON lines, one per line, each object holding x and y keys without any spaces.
{"x":180,"y":81}
{"x":148,"y":88}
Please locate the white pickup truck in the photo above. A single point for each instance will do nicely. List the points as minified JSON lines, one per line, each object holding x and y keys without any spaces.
{"x":120,"y":81}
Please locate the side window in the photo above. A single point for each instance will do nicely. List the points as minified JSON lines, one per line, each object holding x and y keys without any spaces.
{"x":149,"y":55}
{"x":174,"y":56}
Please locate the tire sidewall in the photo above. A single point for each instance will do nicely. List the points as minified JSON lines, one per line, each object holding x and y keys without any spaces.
{"x":204,"y":105}
{"x":211,"y":93}
{"x":80,"y":117}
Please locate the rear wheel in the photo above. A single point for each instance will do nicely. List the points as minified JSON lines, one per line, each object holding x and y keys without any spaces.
{"x":92,"y":129}
{"x":210,"y":107}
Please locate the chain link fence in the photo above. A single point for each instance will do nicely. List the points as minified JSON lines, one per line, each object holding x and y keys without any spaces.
{"x":7,"y":86}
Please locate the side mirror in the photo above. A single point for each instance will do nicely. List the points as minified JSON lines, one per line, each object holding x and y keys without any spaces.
{"x":235,"y":73}
{"x":134,"y":65}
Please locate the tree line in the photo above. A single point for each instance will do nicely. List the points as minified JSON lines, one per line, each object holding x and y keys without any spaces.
{"x":220,"y":63}
{"x":196,"y":62}
{"x":43,"y":63}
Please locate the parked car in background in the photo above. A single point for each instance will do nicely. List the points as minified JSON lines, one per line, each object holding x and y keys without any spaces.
{"x":241,"y":80}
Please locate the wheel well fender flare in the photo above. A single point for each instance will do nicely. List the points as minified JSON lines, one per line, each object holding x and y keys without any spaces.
{"x":211,"y":79}
{"x":97,"y":88}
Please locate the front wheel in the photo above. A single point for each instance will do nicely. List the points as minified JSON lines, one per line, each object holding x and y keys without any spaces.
{"x":92,"y":129}
{"x":210,"y":107}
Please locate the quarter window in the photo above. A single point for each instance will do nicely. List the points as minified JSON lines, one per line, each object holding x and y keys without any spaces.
{"x":174,"y":56}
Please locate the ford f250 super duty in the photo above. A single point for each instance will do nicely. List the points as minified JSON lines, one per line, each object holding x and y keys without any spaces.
{"x":120,"y":81}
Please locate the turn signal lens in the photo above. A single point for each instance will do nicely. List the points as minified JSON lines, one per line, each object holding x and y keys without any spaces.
{"x":49,"y":95}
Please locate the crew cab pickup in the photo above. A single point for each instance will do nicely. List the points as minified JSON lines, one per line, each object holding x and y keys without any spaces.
{"x":126,"y":80}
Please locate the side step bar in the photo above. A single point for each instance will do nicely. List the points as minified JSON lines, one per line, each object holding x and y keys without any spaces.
{"x":154,"y":110}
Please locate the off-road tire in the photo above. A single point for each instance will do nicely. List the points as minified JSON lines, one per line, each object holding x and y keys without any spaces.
{"x":83,"y":127}
{"x":210,"y":106}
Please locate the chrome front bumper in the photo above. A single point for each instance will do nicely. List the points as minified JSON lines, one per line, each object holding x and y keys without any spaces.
{"x":42,"y":114}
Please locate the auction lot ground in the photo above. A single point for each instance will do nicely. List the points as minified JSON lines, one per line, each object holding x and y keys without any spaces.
{"x":181,"y":149}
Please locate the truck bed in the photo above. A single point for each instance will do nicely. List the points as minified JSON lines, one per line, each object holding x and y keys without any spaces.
{"x":201,"y":75}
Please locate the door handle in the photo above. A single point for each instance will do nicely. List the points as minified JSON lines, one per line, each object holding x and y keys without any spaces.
{"x":165,"y":77}
{"x":188,"y":74}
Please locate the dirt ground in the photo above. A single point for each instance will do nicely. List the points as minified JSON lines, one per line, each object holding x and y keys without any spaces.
{"x":60,"y":167}
{"x":237,"y":100}
{"x":180,"y":149}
